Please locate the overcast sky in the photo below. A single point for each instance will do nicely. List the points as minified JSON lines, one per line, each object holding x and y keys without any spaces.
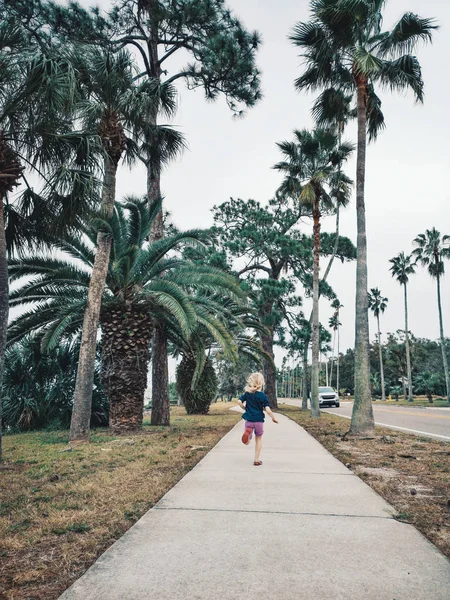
{"x":406,"y":183}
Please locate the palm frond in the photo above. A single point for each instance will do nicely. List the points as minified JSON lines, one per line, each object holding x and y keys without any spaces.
{"x":149,"y":257}
{"x":170,"y":303}
{"x":161,"y":142}
{"x":375,"y":117}
{"x":407,"y":33}
{"x":332,"y":108}
{"x":402,"y":73}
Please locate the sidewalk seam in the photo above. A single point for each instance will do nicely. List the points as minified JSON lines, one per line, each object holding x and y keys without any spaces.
{"x":284,"y":472}
{"x":275,"y":512}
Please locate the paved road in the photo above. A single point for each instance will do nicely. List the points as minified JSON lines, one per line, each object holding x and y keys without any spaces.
{"x":300,"y":526}
{"x":432,"y":422}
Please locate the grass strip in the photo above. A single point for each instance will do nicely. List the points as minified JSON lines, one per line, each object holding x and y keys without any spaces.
{"x":411,"y":473}
{"x":60,"y":508}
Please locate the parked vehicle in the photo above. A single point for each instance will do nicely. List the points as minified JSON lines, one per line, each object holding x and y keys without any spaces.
{"x":328,"y":397}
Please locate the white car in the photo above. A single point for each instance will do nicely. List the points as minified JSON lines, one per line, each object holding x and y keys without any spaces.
{"x":328,"y":397}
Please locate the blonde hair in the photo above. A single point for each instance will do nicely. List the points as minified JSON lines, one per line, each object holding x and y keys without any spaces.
{"x":255,"y":383}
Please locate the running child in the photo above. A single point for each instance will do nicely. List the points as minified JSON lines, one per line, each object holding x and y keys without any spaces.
{"x":254,"y":401}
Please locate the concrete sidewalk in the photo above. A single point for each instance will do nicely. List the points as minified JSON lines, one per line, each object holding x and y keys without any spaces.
{"x":301,"y":526}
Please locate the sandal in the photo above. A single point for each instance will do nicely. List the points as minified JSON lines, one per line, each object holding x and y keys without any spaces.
{"x":257,"y":463}
{"x":246,"y":435}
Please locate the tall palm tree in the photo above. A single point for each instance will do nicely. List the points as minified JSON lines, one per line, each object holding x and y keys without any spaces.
{"x":344,"y":47}
{"x":146,"y":283}
{"x":402,"y":267}
{"x":333,"y":110}
{"x":378,"y":304}
{"x":108,"y":110}
{"x":432,"y":249}
{"x":335,"y":323}
{"x":336,"y":304}
{"x":310,"y":167}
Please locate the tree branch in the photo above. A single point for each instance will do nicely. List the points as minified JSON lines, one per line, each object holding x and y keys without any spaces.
{"x":142,"y":51}
{"x":168,"y":54}
{"x":177,"y":76}
{"x":255,"y":267}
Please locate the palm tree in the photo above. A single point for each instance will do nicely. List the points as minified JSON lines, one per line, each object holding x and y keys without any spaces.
{"x":222,"y":327}
{"x":145,"y":284}
{"x":337,"y":307}
{"x":402,"y":267}
{"x":334,"y":323}
{"x":38,"y":94}
{"x":108,"y":109}
{"x":396,"y":390}
{"x":344,"y":48}
{"x":431,"y":251}
{"x":427,"y":383}
{"x":310,"y":167}
{"x":333,"y":110}
{"x":378,"y":304}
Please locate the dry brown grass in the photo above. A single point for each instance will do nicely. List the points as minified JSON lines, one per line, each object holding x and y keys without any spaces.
{"x":61,"y":509}
{"x":418,"y":401}
{"x":412,"y":473}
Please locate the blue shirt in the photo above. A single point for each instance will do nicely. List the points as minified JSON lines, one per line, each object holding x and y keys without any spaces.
{"x":254,"y":406}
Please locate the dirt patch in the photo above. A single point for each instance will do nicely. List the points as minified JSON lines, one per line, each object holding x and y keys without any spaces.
{"x":60,"y":510}
{"x":411,"y":473}
{"x":379,"y":472}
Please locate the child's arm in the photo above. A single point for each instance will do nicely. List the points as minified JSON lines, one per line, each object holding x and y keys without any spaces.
{"x":270,"y":413}
{"x":241,"y":404}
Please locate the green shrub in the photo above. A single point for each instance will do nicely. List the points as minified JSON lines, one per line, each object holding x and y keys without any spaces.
{"x":197,"y":400}
{"x":38,"y":387}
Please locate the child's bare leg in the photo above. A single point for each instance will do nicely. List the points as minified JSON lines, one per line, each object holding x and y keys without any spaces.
{"x":258,"y":446}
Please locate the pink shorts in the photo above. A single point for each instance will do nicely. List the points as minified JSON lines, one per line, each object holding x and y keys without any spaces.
{"x":257,"y":426}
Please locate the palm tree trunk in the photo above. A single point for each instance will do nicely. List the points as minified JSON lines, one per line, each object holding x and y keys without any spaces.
{"x":362,"y":416}
{"x":335,"y":247}
{"x":383,"y":392}
{"x":337,"y":365}
{"x":4,"y":309}
{"x":305,"y":377}
{"x":82,"y":400}
{"x":332,"y":357}
{"x":153,"y":195}
{"x":315,"y":343}
{"x":324,"y":278}
{"x":126,"y":336}
{"x":408,"y":353}
{"x":443,"y":346}
{"x":160,"y":378}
